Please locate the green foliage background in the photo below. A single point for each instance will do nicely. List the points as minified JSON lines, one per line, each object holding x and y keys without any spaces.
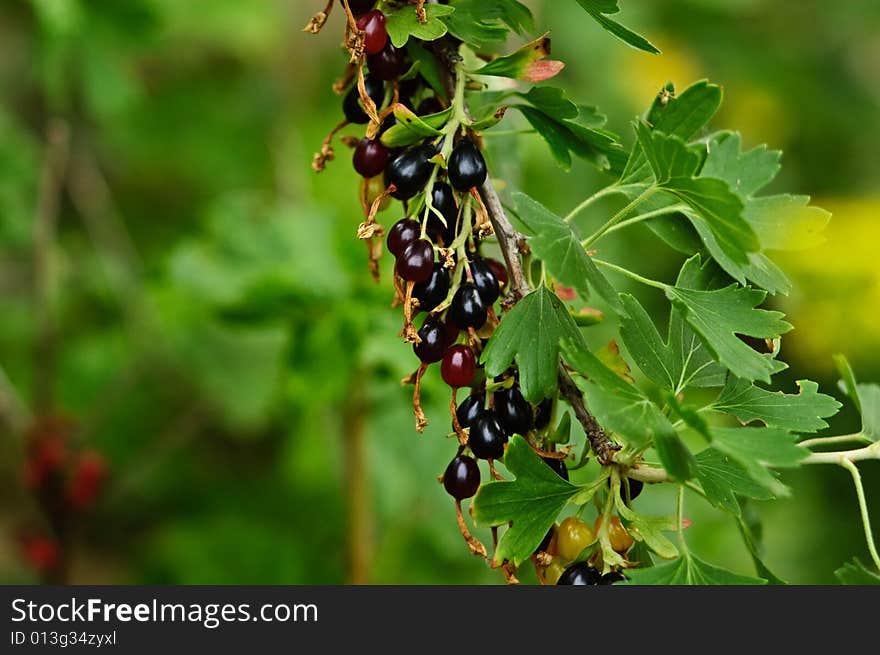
{"x":221,"y":340}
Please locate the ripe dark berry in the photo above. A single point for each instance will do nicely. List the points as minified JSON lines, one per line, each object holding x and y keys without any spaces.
{"x":467,"y":168}
{"x":469,"y":409}
{"x":360,"y":7}
{"x":416,"y":262}
{"x":467,"y":309}
{"x":351,"y":107}
{"x":401,"y":234}
{"x":485,"y":281}
{"x":486,"y":438}
{"x":580,"y":574}
{"x":459,"y":366}
{"x":433,"y":291}
{"x":389,"y":122}
{"x":543,"y":413}
{"x":558,"y":466}
{"x":410,"y":171}
{"x":370,"y":157}
{"x":389,"y":64}
{"x":499,"y":271}
{"x":462,"y":477}
{"x":635,"y":488}
{"x":443,"y":200}
{"x":432,"y":346}
{"x":428,"y":106}
{"x":451,"y":331}
{"x":611,"y":577}
{"x":514,"y":411}
{"x":373,"y":23}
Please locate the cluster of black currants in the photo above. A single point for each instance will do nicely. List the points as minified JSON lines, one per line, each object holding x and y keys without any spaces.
{"x":582,"y":573}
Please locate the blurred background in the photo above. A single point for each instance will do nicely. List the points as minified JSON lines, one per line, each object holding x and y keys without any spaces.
{"x":190,"y":329}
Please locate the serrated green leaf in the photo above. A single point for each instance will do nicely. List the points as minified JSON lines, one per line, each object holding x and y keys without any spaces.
{"x":689,"y":570}
{"x":531,"y":502}
{"x":482,"y":23}
{"x":649,"y":529}
{"x":530,"y":333}
{"x":553,"y":101}
{"x":723,"y":479}
{"x":757,"y":449}
{"x":564,"y":137}
{"x":866,"y":398}
{"x":801,"y":412}
{"x":856,"y":573}
{"x":627,"y":412}
{"x":717,"y":316}
{"x":403,"y":23}
{"x":745,"y":172}
{"x":555,"y":242}
{"x":428,"y":67}
{"x":411,"y":128}
{"x":676,"y":364}
{"x":599,"y":10}
{"x":787,"y":222}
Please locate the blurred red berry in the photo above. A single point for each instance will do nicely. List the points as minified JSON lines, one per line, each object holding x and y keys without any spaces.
{"x":86,"y":480}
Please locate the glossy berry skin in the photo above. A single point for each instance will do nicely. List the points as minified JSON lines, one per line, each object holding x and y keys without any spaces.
{"x":572,"y":536}
{"x":580,"y":574}
{"x":458,"y":366}
{"x":401,"y":234}
{"x":432,"y":291}
{"x":498,"y":271}
{"x":486,"y":438}
{"x":469,"y":409}
{"x":351,"y":107}
{"x":467,"y":309}
{"x":611,"y":577}
{"x":359,"y":7}
{"x":485,"y":281}
{"x":370,"y":157}
{"x":443,"y":200}
{"x":389,"y":64}
{"x":543,"y":413}
{"x":416,"y":262}
{"x":432,"y":346}
{"x":462,"y":477}
{"x":514,"y":411}
{"x":373,"y":24}
{"x":410,"y":171}
{"x":467,"y":168}
{"x":558,"y":466}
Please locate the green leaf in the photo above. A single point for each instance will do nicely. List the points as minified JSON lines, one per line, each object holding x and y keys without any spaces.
{"x":531,"y":502}
{"x":756,"y":449}
{"x":676,"y":364}
{"x":745,"y":172}
{"x":856,"y":573}
{"x":786,"y":222}
{"x":530,"y":333}
{"x":555,"y":242}
{"x":412,"y":128}
{"x":599,"y":10}
{"x":866,"y":398}
{"x":717,"y":316}
{"x":528,"y":63}
{"x":553,"y":102}
{"x":723,"y":480}
{"x":624,"y":410}
{"x":689,"y":570}
{"x":565,"y":137}
{"x":482,"y":23}
{"x":404,"y":23}
{"x":562,"y":433}
{"x":428,"y":67}
{"x":489,"y":120}
{"x":674,"y":165}
{"x":649,"y":529}
{"x":801,"y":412}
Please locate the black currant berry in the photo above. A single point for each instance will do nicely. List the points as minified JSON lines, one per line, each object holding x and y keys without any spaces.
{"x":432,"y":346}
{"x":428,"y":106}
{"x":459,"y":366}
{"x":462,"y":477}
{"x":370,"y":157}
{"x":467,"y":168}
{"x":580,"y":574}
{"x":498,"y":271}
{"x":611,"y":577}
{"x":558,"y":466}
{"x":635,"y":488}
{"x":401,"y":234}
{"x":467,"y":309}
{"x":485,"y":281}
{"x":416,"y":262}
{"x":486,"y":438}
{"x":409,"y":172}
{"x":443,"y":200}
{"x":351,"y":107}
{"x":514,"y":411}
{"x":432,"y":291}
{"x":543,"y":413}
{"x":469,"y":409}
{"x":389,"y":64}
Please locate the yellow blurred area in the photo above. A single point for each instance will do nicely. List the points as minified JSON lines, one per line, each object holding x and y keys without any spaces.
{"x":837,"y":287}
